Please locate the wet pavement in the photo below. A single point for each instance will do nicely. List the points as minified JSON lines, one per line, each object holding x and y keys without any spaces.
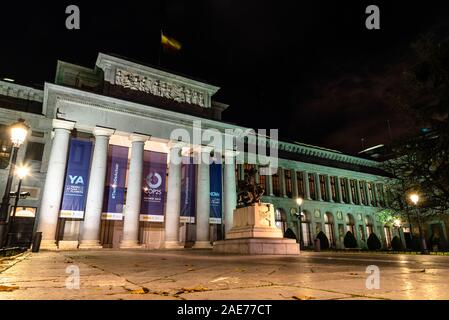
{"x":202,"y":274}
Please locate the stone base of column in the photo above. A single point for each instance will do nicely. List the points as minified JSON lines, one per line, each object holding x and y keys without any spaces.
{"x":67,"y":245}
{"x":48,"y":245}
{"x":90,"y":244}
{"x":202,"y":245}
{"x":173,"y":245}
{"x":130,"y":244}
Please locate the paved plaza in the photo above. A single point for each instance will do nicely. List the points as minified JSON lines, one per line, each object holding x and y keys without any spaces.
{"x":201,"y":274}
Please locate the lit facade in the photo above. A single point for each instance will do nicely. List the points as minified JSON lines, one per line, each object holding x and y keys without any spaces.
{"x":122,"y":103}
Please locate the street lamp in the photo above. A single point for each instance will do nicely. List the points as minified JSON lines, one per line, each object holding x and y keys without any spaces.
{"x":414,"y":198}
{"x":19,"y":132}
{"x":21,"y":173}
{"x":300,"y":240}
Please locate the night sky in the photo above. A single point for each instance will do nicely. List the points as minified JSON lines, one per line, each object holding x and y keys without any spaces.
{"x":308,"y":68}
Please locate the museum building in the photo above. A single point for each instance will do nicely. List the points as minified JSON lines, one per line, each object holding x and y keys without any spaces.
{"x":99,"y":150}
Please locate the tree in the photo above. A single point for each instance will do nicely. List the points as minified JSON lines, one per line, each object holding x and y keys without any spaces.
{"x":396,"y":244}
{"x":373,"y":242}
{"x":421,"y":163}
{"x":324,"y":242}
{"x":350,"y":241}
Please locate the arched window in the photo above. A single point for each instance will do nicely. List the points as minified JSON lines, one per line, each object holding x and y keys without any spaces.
{"x":280,"y":219}
{"x":369,"y":225}
{"x":306,"y":219}
{"x":329,"y":228}
{"x":387,"y":231}
{"x":350,"y":224}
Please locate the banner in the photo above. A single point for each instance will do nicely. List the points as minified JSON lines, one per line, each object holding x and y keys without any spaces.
{"x":153,"y":186}
{"x":188,"y":175}
{"x":114,"y":192}
{"x":215,"y":193}
{"x":77,"y":179}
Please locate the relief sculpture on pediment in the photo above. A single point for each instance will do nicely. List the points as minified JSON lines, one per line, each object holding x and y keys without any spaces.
{"x":168,"y":90}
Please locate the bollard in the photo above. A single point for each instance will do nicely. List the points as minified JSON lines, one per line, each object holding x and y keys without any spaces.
{"x":37,"y":242}
{"x":317,"y":245}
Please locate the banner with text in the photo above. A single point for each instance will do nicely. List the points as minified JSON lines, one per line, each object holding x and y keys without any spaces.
{"x":215,"y":193}
{"x":114,"y":192}
{"x":77,"y":179}
{"x":153,"y":186}
{"x":188,"y":175}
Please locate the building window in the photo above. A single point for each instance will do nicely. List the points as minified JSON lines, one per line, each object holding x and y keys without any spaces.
{"x":352,"y":185}
{"x":380,"y":192}
{"x":306,"y":230}
{"x":387,"y":232}
{"x":334,"y":188}
{"x":323,"y":188}
{"x":281,"y":219}
{"x":350,"y":223}
{"x":276,"y":184}
{"x":362,"y":192}
{"x":371,"y":193}
{"x":288,"y":183}
{"x":369,"y":225}
{"x":312,"y":186}
{"x":344,"y":191}
{"x":300,"y":180}
{"x":34,"y":151}
{"x":362,"y":233}
{"x":5,"y":146}
{"x":329,"y":228}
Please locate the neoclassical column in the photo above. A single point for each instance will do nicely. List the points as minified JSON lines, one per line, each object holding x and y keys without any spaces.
{"x":257,"y":176}
{"x":90,"y":237}
{"x":173,"y":211}
{"x":229,"y":192}
{"x":269,"y":182}
{"x":375,"y":195}
{"x":359,"y":194}
{"x":241,"y":171}
{"x":134,"y":193}
{"x":54,"y":183}
{"x":294,"y":184}
{"x":319,"y":196}
{"x":203,"y":199}
{"x":305,"y":179}
{"x":348,"y":190}
{"x":329,"y":188}
{"x":340,"y":194}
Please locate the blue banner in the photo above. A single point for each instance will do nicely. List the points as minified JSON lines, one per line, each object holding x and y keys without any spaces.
{"x":188,"y":175}
{"x":153,"y":186}
{"x":77,"y":179}
{"x":114,"y":193}
{"x":215,"y":193}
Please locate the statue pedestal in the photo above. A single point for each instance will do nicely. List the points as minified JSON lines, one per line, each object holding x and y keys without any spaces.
{"x":254,"y":232}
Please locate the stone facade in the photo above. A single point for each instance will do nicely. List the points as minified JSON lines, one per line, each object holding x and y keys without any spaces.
{"x":338,"y":200}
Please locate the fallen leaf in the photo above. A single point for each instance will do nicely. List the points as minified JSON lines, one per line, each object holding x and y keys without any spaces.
{"x":7,"y":289}
{"x":194,"y":289}
{"x":142,"y":290}
{"x":302,"y":298}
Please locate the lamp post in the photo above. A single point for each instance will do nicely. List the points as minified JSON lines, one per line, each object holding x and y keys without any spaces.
{"x":21,"y":173}
{"x":414,"y":198}
{"x":300,"y":240}
{"x":19,"y":132}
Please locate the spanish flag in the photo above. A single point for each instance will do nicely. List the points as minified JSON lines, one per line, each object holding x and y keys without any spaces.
{"x":170,"y":43}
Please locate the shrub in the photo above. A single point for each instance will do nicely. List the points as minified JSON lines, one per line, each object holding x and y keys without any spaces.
{"x":396,"y":244}
{"x":350,"y":241}
{"x":373,"y":242}
{"x":289,"y":234}
{"x":324,"y":242}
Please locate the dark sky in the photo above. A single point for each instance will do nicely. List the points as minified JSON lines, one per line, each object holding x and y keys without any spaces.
{"x":308,"y":68}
